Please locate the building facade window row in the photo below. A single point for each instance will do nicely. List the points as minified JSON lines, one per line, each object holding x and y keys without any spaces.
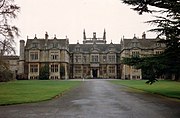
{"x":34,"y":55}
{"x":135,"y":54}
{"x":33,"y":68}
{"x":54,"y":55}
{"x":95,"y":58}
{"x":54,"y":68}
{"x":92,"y":59}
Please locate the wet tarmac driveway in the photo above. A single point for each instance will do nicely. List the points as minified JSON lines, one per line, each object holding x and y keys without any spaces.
{"x":97,"y":99}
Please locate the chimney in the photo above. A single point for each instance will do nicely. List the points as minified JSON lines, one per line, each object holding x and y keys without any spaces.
{"x":94,"y":35}
{"x":104,"y":36}
{"x":46,"y":40}
{"x":46,"y":35}
{"x":84,"y":35}
{"x":144,"y":35}
{"x":21,"y":58}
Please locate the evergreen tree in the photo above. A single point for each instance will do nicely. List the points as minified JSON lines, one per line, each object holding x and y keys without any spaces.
{"x":44,"y":72}
{"x":168,"y":25}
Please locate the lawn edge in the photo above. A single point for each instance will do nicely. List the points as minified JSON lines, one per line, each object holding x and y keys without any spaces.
{"x":153,"y":93}
{"x":51,"y":98}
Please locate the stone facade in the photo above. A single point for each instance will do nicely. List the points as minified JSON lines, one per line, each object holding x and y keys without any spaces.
{"x":138,"y":47}
{"x":94,"y":58}
{"x":38,"y":52}
{"x":12,"y":63}
{"x":91,"y":59}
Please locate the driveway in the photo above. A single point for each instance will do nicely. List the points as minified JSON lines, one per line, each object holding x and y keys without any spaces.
{"x":97,"y":99}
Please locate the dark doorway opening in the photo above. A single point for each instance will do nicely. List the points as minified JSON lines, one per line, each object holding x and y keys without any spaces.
{"x":94,"y":72}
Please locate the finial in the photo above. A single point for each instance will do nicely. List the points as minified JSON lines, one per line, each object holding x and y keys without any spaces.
{"x":84,"y":35}
{"x":111,"y":42}
{"x":104,"y":36}
{"x":35,"y":37}
{"x":121,"y":41}
{"x":77,"y":41}
{"x":55,"y":36}
{"x":46,"y":35}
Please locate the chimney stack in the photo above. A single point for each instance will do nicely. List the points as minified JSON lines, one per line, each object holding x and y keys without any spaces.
{"x":144,"y":35}
{"x":46,"y":35}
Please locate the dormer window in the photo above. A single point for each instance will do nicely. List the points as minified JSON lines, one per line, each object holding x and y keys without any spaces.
{"x":34,"y":45}
{"x":158,"y":44}
{"x":77,"y":49}
{"x":110,"y":48}
{"x":134,"y":44}
{"x":55,"y":45}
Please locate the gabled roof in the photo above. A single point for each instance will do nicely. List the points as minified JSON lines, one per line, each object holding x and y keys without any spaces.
{"x":88,"y":47}
{"x":42,"y":43}
{"x":142,"y":43}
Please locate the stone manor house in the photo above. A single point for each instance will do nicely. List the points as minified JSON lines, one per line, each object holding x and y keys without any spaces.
{"x":94,"y":58}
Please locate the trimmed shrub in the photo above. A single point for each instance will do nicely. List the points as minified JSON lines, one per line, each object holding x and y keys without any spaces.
{"x":6,"y":75}
{"x":44,"y":72}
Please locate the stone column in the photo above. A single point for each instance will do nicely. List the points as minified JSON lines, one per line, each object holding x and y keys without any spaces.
{"x":97,"y":73}
{"x":124,"y":71}
{"x":140,"y":74}
{"x":66,"y":74}
{"x":91,"y":73}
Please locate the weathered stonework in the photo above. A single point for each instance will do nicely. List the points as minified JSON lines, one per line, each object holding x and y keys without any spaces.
{"x":92,"y":59}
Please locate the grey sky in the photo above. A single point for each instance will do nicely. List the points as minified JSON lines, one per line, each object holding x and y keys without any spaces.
{"x":70,"y":17}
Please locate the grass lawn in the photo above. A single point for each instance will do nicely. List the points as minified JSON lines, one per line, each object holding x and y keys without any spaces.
{"x":162,"y":87}
{"x":25,"y":91}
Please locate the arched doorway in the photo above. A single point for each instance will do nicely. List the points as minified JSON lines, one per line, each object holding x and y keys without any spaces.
{"x":95,"y":73}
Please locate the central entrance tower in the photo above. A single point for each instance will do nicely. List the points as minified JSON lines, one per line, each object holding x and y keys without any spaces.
{"x":94,"y":58}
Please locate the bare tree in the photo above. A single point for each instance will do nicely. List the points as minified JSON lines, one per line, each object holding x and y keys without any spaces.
{"x":8,"y":11}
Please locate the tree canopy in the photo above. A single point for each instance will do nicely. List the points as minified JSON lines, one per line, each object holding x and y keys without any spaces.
{"x":8,"y":11}
{"x":168,"y":25}
{"x":44,"y":72}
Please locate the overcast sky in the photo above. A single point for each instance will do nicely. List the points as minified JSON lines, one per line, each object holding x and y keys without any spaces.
{"x":70,"y":17}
